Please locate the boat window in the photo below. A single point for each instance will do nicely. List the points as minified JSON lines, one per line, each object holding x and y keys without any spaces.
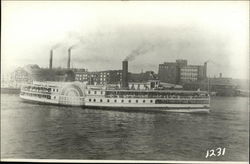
{"x":107,"y":100}
{"x":89,"y":100}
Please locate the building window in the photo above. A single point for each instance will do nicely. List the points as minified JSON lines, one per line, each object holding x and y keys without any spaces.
{"x":95,"y":92}
{"x":100,"y":100}
{"x":101,"y":92}
{"x":122,"y":101}
{"x":115,"y":101}
{"x":129,"y":101}
{"x":89,"y":92}
{"x":143,"y":101}
{"x":151,"y":101}
{"x":107,"y":100}
{"x":136,"y":101}
{"x":94,"y":100}
{"x":89,"y":100}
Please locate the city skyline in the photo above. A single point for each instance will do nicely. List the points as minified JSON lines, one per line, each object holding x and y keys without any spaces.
{"x":156,"y":32}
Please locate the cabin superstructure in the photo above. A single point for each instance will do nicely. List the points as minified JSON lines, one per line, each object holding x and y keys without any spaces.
{"x":78,"y":94}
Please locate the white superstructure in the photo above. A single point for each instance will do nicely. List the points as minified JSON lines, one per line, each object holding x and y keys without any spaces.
{"x":78,"y":94}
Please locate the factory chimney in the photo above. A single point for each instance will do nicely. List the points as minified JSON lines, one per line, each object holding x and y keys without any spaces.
{"x":51,"y":59}
{"x":125,"y":74}
{"x":69,"y":56}
{"x":205,"y":69}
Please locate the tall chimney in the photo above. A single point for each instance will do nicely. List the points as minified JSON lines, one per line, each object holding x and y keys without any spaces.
{"x":69,"y":56}
{"x":205,"y":69}
{"x":51,"y":59}
{"x":125,"y":74}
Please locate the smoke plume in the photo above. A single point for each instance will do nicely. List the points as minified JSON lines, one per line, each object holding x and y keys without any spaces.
{"x":55,"y":46}
{"x":141,"y":50}
{"x":73,"y":46}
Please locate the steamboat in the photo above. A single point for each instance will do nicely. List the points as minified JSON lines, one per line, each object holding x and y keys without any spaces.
{"x":77,"y":94}
{"x":147,"y":96}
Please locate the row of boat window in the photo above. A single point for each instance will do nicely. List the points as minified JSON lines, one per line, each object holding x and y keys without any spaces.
{"x":121,"y":101}
{"x":95,"y":92}
{"x":155,"y":96}
{"x":37,"y":95}
{"x":181,"y":102}
{"x":37,"y":89}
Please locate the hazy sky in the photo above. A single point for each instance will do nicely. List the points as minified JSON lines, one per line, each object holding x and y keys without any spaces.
{"x":105,"y":33}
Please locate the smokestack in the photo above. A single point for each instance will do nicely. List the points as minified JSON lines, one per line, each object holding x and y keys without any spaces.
{"x":220,"y":75}
{"x":205,"y":69}
{"x":51,"y":59}
{"x":69,"y":56}
{"x":125,"y":74}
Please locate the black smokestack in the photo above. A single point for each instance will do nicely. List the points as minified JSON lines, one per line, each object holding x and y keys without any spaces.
{"x":205,"y":69}
{"x":125,"y":74}
{"x":69,"y":56}
{"x":51,"y":59}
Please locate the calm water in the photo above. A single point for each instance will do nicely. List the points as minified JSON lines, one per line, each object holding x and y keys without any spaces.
{"x":44,"y":131}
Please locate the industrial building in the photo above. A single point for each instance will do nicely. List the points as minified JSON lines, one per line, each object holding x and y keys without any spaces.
{"x":180,"y":72}
{"x":104,"y":77}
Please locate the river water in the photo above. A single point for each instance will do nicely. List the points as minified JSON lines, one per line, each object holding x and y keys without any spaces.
{"x":43,"y":131}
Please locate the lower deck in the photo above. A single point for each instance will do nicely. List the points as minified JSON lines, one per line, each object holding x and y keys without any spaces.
{"x":123,"y":103}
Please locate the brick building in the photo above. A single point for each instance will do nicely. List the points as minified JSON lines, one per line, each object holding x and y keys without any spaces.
{"x":104,"y":77}
{"x":180,"y":72}
{"x":81,"y":75}
{"x":191,"y":73}
{"x":168,"y":72}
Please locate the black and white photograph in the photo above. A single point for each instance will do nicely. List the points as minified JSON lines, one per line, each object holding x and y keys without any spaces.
{"x":125,"y":81}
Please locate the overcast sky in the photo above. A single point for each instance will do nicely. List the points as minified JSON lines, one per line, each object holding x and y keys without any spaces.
{"x":105,"y":33}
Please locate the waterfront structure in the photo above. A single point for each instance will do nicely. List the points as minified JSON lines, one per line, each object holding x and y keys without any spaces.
{"x":168,"y":72}
{"x":180,"y":72}
{"x":221,"y":86}
{"x":81,"y":75}
{"x":192,"y":73}
{"x":104,"y":77}
{"x":23,"y":75}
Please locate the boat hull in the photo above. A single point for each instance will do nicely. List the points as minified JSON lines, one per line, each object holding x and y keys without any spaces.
{"x":153,"y":109}
{"x":181,"y":108}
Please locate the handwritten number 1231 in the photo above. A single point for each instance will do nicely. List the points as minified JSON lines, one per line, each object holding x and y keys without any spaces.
{"x":216,"y":152}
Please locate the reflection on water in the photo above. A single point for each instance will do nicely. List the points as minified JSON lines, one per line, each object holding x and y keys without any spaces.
{"x":44,"y":131}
